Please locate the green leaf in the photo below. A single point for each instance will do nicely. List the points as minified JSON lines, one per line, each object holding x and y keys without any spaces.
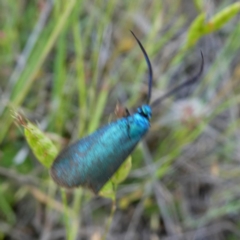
{"x":222,"y":17}
{"x":122,"y":173}
{"x":41,"y":145}
{"x":108,"y":190}
{"x":199,"y":27}
{"x":196,"y":30}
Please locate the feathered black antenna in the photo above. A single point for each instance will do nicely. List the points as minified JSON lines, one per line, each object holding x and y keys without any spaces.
{"x":182,"y":85}
{"x":149,"y":69}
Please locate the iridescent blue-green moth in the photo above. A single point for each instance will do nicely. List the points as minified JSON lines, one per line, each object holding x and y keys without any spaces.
{"x":91,"y":161}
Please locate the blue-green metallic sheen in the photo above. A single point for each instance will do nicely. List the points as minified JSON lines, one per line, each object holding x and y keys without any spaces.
{"x":91,"y":161}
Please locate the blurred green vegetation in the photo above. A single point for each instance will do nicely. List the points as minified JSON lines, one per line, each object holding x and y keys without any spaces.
{"x":66,"y":64}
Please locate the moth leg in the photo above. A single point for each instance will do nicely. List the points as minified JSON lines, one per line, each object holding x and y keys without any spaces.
{"x":128,"y":129}
{"x":121,"y":111}
{"x":127,"y":112}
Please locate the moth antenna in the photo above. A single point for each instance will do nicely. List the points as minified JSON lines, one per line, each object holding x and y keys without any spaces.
{"x":149,"y":68}
{"x":182,"y":85}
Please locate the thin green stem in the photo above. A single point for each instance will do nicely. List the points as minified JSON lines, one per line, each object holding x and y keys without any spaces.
{"x":110,"y":219}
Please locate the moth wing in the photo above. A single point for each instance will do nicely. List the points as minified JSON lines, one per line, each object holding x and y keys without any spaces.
{"x":93,"y":160}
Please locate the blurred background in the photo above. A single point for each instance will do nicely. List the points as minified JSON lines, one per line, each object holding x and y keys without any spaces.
{"x":65,"y":65}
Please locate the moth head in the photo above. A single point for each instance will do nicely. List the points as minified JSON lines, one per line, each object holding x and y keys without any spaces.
{"x":145,"y":111}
